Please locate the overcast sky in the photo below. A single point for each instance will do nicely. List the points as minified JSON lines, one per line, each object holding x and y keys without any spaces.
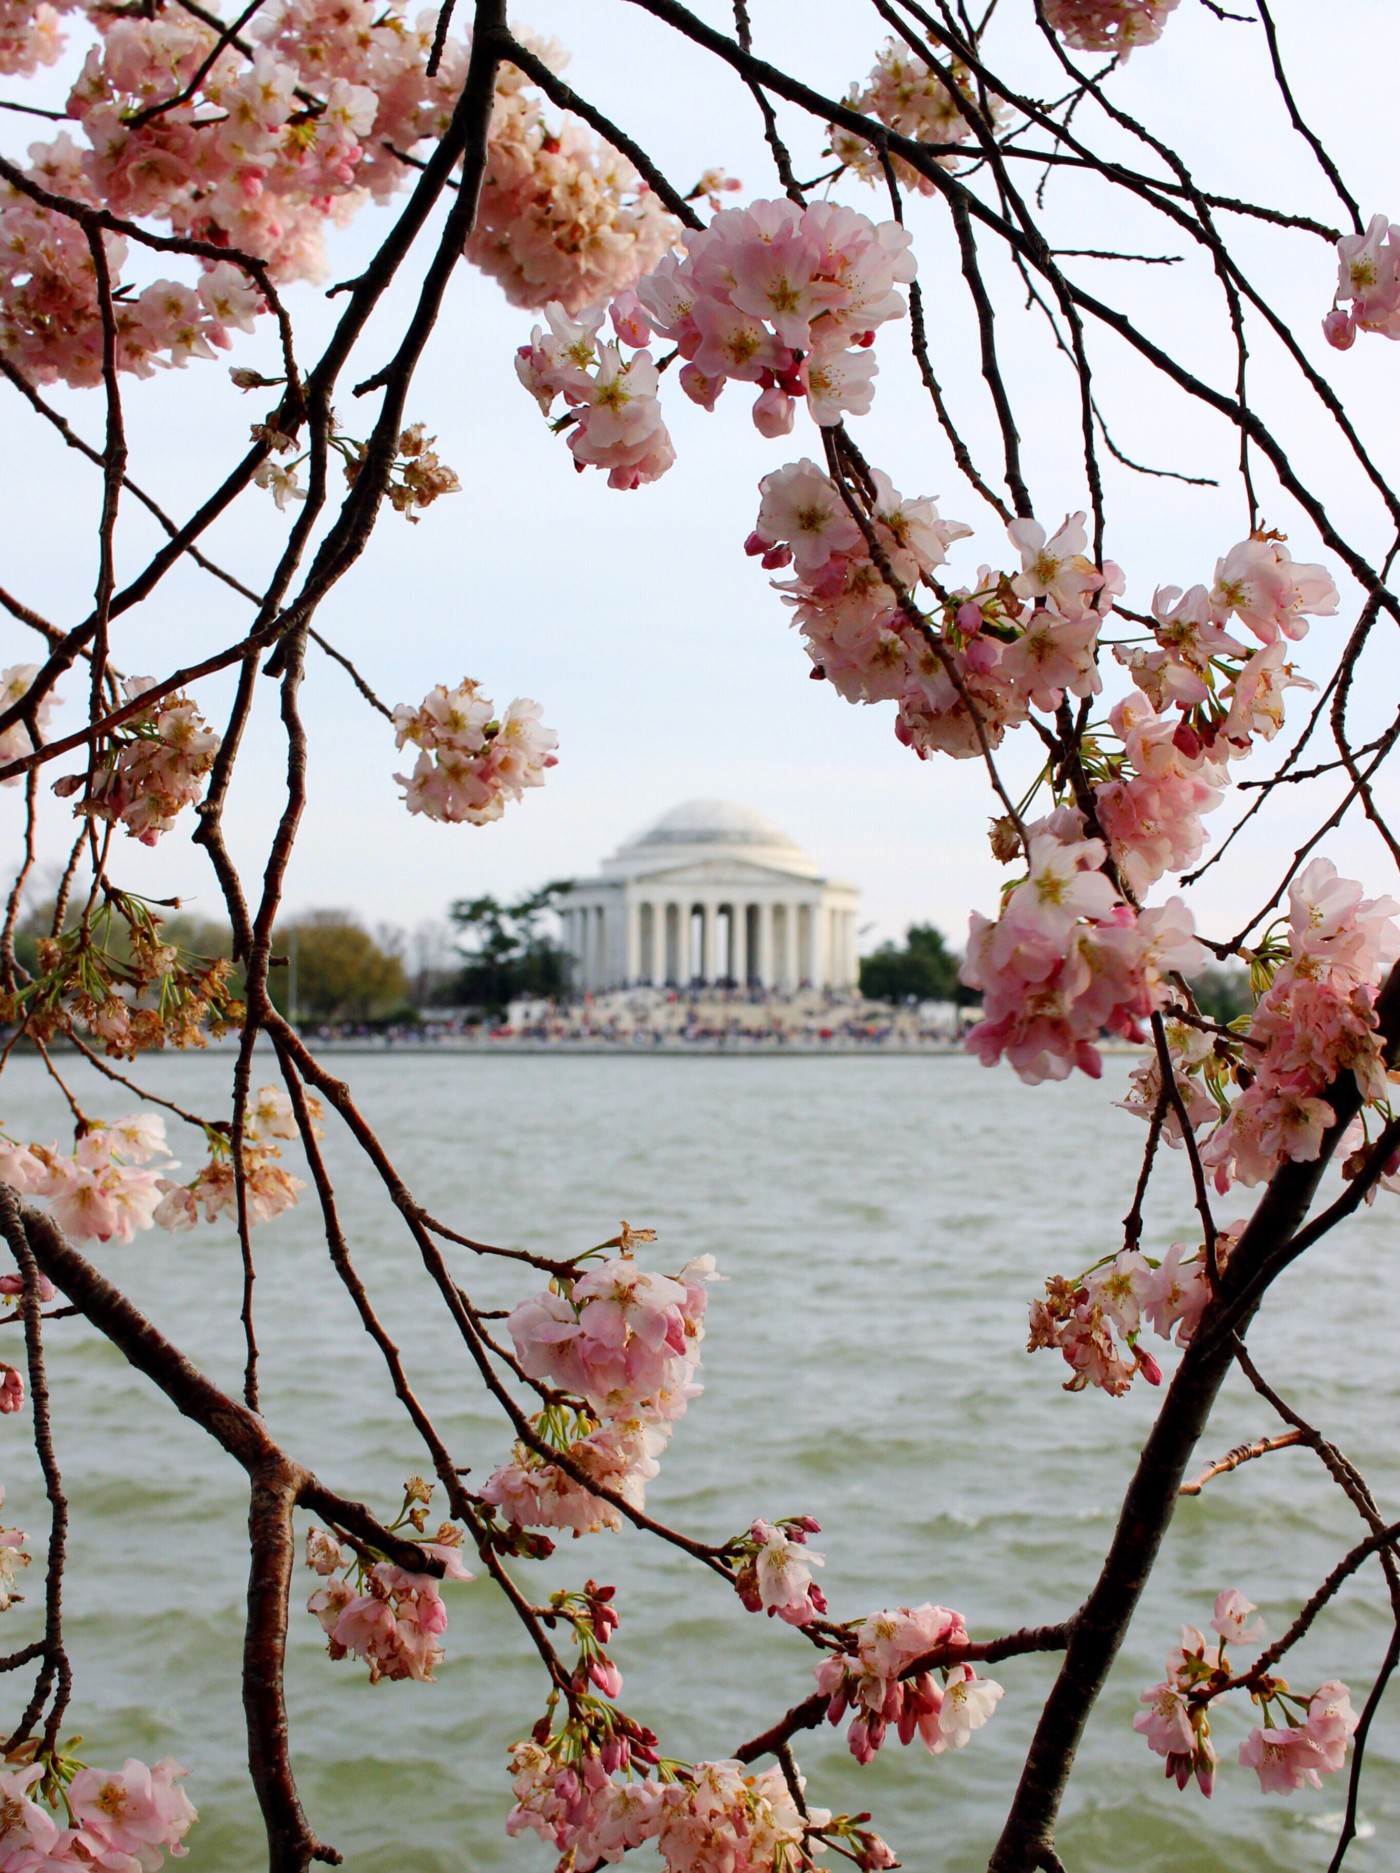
{"x":655,"y":647}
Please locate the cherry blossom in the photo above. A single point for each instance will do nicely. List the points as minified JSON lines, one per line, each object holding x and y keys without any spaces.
{"x":941,"y":1708}
{"x":776,"y":1573}
{"x":1232,"y":1618}
{"x":785,"y":297}
{"x":910,"y":98}
{"x":138,"y":1811}
{"x":152,"y":766}
{"x":1315,"y":1021}
{"x":1108,"y":25}
{"x":269,"y":1188}
{"x":471,"y":761}
{"x":1068,"y":958}
{"x":107,"y":1187}
{"x":722,"y":1817}
{"x":126,"y":1820}
{"x":562,"y":215}
{"x":1270,"y":593}
{"x":1368,"y":267}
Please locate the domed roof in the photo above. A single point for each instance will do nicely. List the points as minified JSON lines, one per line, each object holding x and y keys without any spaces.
{"x":712,"y":822}
{"x":709,"y":829}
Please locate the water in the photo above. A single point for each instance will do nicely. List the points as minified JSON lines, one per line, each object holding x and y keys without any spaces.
{"x":882,"y":1224}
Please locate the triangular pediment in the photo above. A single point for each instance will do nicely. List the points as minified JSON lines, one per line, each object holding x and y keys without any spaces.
{"x":727,"y":874}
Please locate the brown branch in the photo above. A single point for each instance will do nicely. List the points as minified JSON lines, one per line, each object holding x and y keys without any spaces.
{"x":1242,"y":1453}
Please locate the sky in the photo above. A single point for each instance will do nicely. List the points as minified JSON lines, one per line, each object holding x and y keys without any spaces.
{"x":658,"y":651}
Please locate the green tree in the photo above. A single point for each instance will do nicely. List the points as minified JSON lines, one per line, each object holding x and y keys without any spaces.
{"x":924,"y":969}
{"x":342,"y":974}
{"x":507,"y":953}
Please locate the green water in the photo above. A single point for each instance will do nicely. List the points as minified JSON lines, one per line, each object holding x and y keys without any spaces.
{"x":882,"y":1224}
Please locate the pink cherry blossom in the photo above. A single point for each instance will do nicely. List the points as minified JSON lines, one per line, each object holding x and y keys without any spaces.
{"x":1108,"y":25}
{"x":471,"y":762}
{"x":1368,"y":267}
{"x":1232,"y":1619}
{"x":137,"y":1811}
{"x":908,"y":97}
{"x":1260,"y":583}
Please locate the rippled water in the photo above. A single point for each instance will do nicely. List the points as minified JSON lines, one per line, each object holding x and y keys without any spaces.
{"x":882,"y":1224}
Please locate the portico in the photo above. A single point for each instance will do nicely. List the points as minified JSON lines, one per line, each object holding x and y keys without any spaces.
{"x":712,"y":893}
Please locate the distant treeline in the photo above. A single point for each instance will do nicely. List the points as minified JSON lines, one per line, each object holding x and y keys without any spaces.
{"x":328,"y":966}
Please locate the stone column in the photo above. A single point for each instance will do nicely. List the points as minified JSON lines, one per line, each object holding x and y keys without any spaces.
{"x":632,"y":913}
{"x":783,"y":933}
{"x":708,"y":934}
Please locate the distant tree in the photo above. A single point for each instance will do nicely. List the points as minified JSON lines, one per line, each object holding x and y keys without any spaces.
{"x":1223,"y":994}
{"x":342,"y":974}
{"x":924,"y":969}
{"x":507,"y":953}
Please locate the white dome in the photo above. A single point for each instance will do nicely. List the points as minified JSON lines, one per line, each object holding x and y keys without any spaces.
{"x":710,"y":829}
{"x":712,"y":822}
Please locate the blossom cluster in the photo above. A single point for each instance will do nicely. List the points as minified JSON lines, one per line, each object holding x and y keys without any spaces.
{"x":389,"y":1617}
{"x":1284,"y":1755}
{"x":50,"y":324}
{"x":1368,"y":267}
{"x":1094,"y":1322}
{"x":712,"y":1816}
{"x":1182,"y":726}
{"x":1068,"y":958}
{"x":256,"y":151}
{"x":150,"y":768}
{"x":625,"y":1342}
{"x":470,"y":760}
{"x":116,"y":1179}
{"x":561,"y":216}
{"x":1010,"y":644}
{"x":269,"y":1188}
{"x":910,"y":98}
{"x":123,"y":1820}
{"x":783,"y":297}
{"x":613,"y":413}
{"x":1108,"y":25}
{"x":107,"y":1188}
{"x":774,"y":1570}
{"x":30,"y":36}
{"x":113,"y":976}
{"x":1315,"y":1022}
{"x":941,"y":1705}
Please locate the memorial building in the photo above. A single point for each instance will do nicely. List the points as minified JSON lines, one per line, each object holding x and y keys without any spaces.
{"x":711,"y":894}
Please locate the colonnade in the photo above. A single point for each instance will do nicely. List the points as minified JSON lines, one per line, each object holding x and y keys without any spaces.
{"x":782,"y":943}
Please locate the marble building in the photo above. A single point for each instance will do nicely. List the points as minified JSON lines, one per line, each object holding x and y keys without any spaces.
{"x":712,"y":893}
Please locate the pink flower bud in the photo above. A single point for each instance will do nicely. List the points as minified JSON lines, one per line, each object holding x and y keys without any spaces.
{"x":11,"y":1390}
{"x":969,"y":618}
{"x":1148,"y":1366}
{"x":606,"y":1676}
{"x":1186,"y":740}
{"x":1339,"y":329}
{"x":772,"y":413}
